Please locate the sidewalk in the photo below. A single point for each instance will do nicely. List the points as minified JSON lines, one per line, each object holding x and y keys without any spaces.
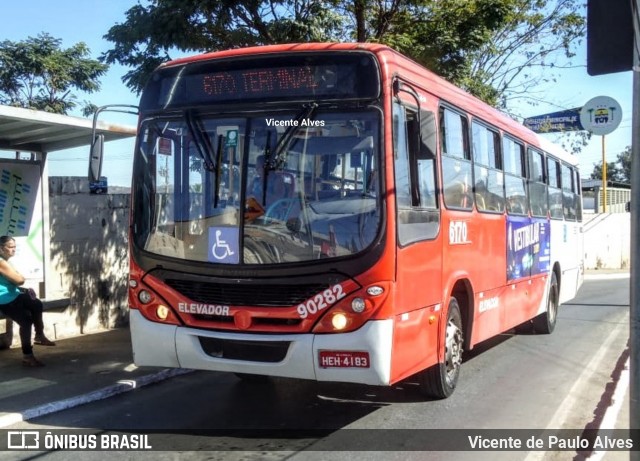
{"x":601,"y":274}
{"x":78,"y":370}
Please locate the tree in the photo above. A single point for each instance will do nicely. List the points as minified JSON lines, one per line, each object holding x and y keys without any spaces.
{"x":485,"y":46}
{"x":624,"y":160}
{"x":151,"y":33}
{"x":618,"y":171}
{"x":38,"y":74}
{"x":535,"y":41}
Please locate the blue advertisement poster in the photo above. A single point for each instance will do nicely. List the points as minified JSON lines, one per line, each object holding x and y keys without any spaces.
{"x":528,"y":246}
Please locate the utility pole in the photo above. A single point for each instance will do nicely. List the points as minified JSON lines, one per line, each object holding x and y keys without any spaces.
{"x":634,"y":312}
{"x":609,"y":52}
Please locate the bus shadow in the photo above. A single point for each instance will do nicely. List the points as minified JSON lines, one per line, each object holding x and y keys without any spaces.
{"x":490,"y":343}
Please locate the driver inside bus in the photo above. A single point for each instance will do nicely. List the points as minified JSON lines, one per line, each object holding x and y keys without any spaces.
{"x":261,"y":195}
{"x":257,"y":183}
{"x":275,"y":188}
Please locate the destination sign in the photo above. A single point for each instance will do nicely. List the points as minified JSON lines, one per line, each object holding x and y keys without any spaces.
{"x":287,"y":77}
{"x":287,"y":81}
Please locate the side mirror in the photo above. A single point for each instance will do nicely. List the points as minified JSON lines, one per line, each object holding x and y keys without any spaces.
{"x":95,"y":158}
{"x":97,"y":141}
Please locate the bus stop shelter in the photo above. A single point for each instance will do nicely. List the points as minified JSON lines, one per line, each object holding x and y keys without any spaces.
{"x":27,"y":139}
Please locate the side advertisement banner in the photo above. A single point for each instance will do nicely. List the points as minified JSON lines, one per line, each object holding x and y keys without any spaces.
{"x":528,"y":246}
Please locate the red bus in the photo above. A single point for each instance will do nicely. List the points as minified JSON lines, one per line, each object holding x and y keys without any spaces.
{"x":336,"y":212}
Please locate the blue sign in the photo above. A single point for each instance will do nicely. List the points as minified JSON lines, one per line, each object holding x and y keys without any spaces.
{"x":566,"y":120}
{"x":224,"y":245}
{"x":528,"y":246}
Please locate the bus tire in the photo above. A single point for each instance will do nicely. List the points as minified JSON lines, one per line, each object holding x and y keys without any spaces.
{"x":440,"y":380}
{"x":545,"y":323}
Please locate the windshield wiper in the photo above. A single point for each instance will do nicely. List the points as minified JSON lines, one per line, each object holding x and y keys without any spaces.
{"x":279,"y":157}
{"x":203,"y":146}
{"x":205,"y":149}
{"x":218,"y":172}
{"x":265,"y":171}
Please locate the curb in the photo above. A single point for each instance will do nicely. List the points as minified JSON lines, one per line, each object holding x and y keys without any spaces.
{"x":119,"y":387}
{"x":609,"y":276}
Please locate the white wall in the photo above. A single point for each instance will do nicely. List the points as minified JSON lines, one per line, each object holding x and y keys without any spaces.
{"x":607,"y":240}
{"x":89,"y":257}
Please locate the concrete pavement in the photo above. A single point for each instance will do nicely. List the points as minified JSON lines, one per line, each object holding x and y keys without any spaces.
{"x":78,"y":370}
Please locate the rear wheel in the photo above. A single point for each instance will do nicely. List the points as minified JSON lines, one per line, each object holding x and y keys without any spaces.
{"x":545,"y":323}
{"x":440,"y":380}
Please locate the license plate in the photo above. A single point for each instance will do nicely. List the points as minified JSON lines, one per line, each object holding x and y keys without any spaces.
{"x":344,"y":359}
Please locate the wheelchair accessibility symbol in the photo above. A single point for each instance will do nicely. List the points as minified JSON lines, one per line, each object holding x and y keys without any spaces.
{"x":223,"y":245}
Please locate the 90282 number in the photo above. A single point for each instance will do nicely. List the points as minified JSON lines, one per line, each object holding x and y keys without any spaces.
{"x":321,"y":301}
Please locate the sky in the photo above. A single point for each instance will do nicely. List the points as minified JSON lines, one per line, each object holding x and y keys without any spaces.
{"x":88,"y":21}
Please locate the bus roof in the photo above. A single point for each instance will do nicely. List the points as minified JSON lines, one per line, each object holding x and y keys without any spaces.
{"x":274,"y":49}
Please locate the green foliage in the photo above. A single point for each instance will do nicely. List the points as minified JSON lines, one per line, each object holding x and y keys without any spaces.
{"x":535,"y":42}
{"x":38,"y":74}
{"x":488,"y":47}
{"x":574,"y":141}
{"x":150,"y":33}
{"x":618,"y":171}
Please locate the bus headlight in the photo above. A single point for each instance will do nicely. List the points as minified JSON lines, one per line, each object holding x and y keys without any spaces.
{"x":162,"y":312}
{"x":339,"y":321}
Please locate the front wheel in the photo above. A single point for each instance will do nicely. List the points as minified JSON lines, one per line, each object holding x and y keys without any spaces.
{"x":440,"y":380}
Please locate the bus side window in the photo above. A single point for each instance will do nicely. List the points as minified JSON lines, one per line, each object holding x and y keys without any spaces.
{"x":514,"y":182}
{"x":456,"y":160}
{"x":555,"y":192}
{"x":488,"y":184}
{"x":568,"y":193}
{"x":578,"y":194}
{"x":537,"y":184}
{"x":415,"y":175}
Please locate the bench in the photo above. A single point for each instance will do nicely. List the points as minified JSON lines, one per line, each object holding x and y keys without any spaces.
{"x":6,"y":338}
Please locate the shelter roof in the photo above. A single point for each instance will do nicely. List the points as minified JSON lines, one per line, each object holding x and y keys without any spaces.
{"x":28,"y":130}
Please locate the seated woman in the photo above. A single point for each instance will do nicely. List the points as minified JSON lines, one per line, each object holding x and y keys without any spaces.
{"x":20,"y":305}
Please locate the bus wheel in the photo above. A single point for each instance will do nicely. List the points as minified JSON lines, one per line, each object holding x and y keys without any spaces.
{"x":545,"y":323}
{"x":440,"y":380}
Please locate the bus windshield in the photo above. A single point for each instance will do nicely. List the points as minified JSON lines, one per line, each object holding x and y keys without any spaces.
{"x":273,"y":188}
